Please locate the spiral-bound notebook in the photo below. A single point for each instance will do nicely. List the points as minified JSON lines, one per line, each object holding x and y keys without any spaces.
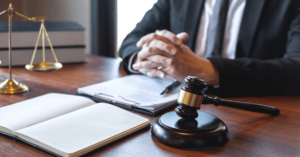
{"x":134,"y":92}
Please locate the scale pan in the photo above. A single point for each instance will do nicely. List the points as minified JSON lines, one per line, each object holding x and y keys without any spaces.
{"x":43,"y":66}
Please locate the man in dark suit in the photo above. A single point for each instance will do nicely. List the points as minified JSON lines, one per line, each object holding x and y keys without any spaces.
{"x":259,"y":53}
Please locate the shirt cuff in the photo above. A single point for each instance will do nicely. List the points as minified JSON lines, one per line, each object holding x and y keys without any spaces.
{"x":130,"y":64}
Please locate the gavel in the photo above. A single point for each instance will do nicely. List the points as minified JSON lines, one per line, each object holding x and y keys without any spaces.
{"x":189,"y":128}
{"x":192,"y":95}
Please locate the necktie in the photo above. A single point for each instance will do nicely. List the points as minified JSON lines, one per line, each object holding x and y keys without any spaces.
{"x":216,"y":29}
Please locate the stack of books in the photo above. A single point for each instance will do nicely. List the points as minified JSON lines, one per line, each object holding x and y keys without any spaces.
{"x":67,"y":39}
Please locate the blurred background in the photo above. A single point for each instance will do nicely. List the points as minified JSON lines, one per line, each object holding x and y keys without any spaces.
{"x":107,"y":22}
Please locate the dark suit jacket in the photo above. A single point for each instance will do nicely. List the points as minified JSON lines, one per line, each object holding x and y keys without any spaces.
{"x":268,"y":48}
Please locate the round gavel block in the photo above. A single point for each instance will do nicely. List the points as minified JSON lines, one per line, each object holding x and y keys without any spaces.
{"x":202,"y":133}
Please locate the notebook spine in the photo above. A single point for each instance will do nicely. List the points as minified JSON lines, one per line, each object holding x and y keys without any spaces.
{"x":116,"y":100}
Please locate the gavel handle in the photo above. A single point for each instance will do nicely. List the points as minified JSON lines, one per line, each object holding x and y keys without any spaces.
{"x":242,"y":105}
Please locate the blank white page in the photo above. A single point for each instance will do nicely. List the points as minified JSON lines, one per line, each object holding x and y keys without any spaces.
{"x":38,"y":109}
{"x":83,"y":130}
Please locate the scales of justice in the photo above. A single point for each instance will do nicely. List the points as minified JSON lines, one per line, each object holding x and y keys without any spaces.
{"x":11,"y":86}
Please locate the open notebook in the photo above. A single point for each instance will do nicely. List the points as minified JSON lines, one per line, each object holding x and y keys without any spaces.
{"x":135,"y":92}
{"x":68,"y":125}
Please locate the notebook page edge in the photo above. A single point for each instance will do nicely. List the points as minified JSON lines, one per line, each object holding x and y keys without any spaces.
{"x":6,"y":130}
{"x":41,"y":144}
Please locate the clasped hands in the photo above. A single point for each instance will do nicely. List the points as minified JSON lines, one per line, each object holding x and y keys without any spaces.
{"x":166,"y":50}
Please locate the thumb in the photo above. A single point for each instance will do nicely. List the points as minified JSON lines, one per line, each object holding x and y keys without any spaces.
{"x":183,"y":36}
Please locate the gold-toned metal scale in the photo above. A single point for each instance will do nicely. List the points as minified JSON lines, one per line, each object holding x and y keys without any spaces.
{"x":11,"y":86}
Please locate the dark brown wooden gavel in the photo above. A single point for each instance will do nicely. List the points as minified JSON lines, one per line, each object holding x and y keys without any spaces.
{"x":191,"y":97}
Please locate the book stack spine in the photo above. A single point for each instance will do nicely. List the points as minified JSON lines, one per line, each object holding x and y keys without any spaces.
{"x":67,"y":39}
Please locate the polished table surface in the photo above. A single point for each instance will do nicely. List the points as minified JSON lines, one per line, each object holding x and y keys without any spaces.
{"x":251,"y":134}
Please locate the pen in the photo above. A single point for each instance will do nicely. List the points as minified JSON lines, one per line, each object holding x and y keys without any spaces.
{"x":171,"y":87}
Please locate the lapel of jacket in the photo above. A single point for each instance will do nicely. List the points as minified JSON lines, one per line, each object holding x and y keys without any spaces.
{"x":191,"y":21}
{"x":250,"y":20}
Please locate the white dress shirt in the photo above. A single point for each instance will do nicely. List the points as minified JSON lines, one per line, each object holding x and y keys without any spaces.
{"x":232,"y":28}
{"x":233,"y":22}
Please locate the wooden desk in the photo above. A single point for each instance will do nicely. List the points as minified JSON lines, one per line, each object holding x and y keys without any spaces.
{"x":251,"y":134}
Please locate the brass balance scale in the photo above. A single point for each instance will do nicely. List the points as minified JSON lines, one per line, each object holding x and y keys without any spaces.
{"x":11,"y":86}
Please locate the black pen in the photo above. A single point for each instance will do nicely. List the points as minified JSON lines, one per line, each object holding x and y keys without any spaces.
{"x":171,"y":87}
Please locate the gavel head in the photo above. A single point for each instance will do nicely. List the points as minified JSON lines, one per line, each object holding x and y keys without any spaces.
{"x":190,"y":97}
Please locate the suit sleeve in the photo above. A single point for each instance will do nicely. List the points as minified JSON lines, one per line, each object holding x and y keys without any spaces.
{"x":156,"y":18}
{"x":254,"y":77}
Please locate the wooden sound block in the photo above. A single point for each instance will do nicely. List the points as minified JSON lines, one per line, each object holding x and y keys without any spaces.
{"x":202,"y":133}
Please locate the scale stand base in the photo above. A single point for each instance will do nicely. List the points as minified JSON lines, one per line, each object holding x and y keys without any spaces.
{"x":11,"y":86}
{"x":202,"y":133}
{"x":44,"y":66}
